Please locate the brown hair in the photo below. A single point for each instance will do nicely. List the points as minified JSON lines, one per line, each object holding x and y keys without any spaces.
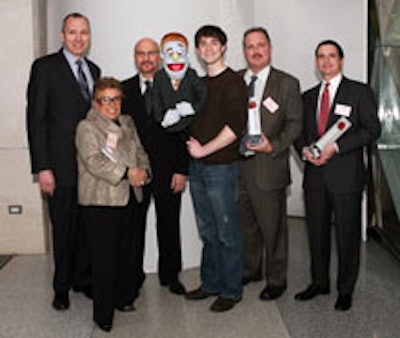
{"x":106,"y":83}
{"x":256,"y":30}
{"x":210,"y":31}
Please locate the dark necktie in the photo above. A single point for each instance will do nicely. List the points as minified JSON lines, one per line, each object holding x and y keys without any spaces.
{"x":250,"y":87}
{"x":147,"y":96}
{"x":323,"y":111}
{"x":82,"y":81}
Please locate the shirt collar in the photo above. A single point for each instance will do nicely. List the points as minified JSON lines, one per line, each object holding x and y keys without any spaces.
{"x":334,"y":82}
{"x":142,"y":83}
{"x":261,"y":75}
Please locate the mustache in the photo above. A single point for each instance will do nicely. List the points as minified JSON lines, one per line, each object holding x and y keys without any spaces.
{"x":147,"y":63}
{"x":257,"y":55}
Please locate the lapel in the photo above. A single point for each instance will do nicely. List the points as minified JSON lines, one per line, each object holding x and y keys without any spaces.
{"x":270,"y":85}
{"x":340,"y":94}
{"x":314,"y":110}
{"x":69,"y":77}
{"x":92,"y":69}
{"x":137,"y":92}
{"x":135,"y":100}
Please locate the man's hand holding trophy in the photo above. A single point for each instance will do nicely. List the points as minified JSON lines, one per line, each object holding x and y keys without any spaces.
{"x":324,"y":148}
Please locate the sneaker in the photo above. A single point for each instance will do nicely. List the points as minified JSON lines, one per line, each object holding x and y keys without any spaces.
{"x":223,"y":304}
{"x":199,"y":294}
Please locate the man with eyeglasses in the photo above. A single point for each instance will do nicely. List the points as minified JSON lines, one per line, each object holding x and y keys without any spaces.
{"x":169,"y":162}
{"x":59,"y":92}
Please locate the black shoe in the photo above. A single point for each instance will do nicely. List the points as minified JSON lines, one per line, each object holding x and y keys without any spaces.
{"x":272,"y":292}
{"x":85,"y":289}
{"x":61,"y":301}
{"x":126,"y":308}
{"x":175,"y":286}
{"x":199,"y":294}
{"x":222,"y":304}
{"x":247,"y":280}
{"x":343,"y":302}
{"x":311,"y":291}
{"x":104,"y":327}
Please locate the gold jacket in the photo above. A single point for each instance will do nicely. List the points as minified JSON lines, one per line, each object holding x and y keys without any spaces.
{"x":104,"y":153}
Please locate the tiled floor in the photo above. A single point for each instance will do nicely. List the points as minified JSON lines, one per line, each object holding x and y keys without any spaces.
{"x":25,"y":310}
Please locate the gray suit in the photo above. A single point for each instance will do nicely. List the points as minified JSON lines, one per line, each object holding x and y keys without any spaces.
{"x":263,"y":182}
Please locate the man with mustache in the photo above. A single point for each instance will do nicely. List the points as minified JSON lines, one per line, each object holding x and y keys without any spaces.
{"x":265,"y":176}
{"x":169,"y":162}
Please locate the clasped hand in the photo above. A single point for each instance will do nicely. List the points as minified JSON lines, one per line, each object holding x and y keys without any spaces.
{"x":137,"y":177}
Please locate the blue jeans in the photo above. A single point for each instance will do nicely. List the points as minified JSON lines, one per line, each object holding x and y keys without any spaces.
{"x":214,"y":190}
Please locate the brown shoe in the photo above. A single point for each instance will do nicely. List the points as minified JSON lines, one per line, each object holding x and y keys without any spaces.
{"x":199,"y":294}
{"x":223,"y":304}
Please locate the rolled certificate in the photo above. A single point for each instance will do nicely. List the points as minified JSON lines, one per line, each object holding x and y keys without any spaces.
{"x":330,"y":136}
{"x":254,"y":124}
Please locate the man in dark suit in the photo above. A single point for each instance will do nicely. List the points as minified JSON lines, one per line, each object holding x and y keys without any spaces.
{"x":265,"y":176}
{"x":58,"y":98}
{"x":334,"y":182}
{"x":169,"y":162}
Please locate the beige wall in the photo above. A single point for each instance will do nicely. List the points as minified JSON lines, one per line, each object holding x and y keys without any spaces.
{"x":22,"y":233}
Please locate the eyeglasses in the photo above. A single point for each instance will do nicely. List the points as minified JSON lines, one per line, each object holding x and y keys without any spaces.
{"x":108,"y":99}
{"x":141,"y":53}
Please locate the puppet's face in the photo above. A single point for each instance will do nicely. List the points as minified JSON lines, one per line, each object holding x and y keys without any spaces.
{"x":175,"y":59}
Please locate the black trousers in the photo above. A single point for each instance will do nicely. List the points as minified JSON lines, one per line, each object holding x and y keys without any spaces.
{"x":320,"y":204}
{"x":71,"y":254}
{"x":167,"y":207}
{"x":110,"y":231}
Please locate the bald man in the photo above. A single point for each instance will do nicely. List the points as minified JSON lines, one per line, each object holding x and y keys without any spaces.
{"x":169,"y":162}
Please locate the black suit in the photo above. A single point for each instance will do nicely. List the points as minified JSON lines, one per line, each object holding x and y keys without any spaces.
{"x":167,"y":155}
{"x":337,"y":186}
{"x":55,"y":106}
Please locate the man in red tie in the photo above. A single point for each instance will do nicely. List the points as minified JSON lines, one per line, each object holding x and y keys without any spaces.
{"x":333,"y":183}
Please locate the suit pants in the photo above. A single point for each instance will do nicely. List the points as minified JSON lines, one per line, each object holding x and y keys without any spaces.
{"x":167,"y":208}
{"x":265,"y":235}
{"x":71,"y":254}
{"x":110,"y":231}
{"x":346,"y":207}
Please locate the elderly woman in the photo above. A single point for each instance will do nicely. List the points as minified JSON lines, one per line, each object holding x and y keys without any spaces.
{"x":112,"y":168}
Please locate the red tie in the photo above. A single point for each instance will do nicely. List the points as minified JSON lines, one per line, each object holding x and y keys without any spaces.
{"x":323,"y":111}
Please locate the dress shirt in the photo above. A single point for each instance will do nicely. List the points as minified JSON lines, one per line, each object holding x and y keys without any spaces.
{"x":259,"y":84}
{"x":142,"y":82}
{"x":85,"y":68}
{"x":333,"y":86}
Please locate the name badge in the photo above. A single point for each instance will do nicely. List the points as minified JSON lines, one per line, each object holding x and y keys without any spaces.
{"x":271,"y":105}
{"x":343,"y":110}
{"x":111,"y":141}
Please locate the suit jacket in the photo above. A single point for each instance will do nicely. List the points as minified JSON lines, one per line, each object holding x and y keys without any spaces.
{"x":166,"y":151}
{"x":101,"y":177}
{"x":345,"y":171}
{"x":55,"y":106}
{"x":192,"y":89}
{"x":282,"y":127}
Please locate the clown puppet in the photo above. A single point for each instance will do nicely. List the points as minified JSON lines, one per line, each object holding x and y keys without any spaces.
{"x":178,"y":92}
